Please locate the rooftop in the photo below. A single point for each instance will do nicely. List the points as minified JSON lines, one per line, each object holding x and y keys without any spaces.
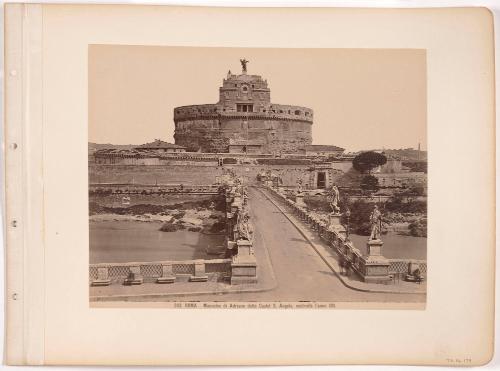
{"x":322,"y":147}
{"x":159,"y":144}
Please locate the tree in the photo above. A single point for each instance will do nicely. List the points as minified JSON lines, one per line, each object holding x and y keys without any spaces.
{"x":366,"y":161}
{"x":418,"y":228}
{"x":369,"y":183}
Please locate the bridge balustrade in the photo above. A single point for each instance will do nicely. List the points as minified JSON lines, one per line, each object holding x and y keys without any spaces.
{"x":343,"y":247}
{"x":152,"y":272}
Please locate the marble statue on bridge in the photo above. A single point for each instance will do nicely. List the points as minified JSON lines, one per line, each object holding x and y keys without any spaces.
{"x":333,"y":199}
{"x":245,"y":229}
{"x":299,"y":187}
{"x":376,"y":224}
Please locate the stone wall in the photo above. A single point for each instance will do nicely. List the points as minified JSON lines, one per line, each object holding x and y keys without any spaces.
{"x":175,"y":174}
{"x":167,"y":174}
{"x":281,"y":128}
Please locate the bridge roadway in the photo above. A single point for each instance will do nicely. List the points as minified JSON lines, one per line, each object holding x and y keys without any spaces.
{"x":300,"y":273}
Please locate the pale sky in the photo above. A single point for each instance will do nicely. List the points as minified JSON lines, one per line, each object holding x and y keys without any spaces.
{"x":362,"y":98}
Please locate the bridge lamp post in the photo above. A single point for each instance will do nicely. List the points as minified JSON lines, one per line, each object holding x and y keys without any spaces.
{"x":348,"y":214}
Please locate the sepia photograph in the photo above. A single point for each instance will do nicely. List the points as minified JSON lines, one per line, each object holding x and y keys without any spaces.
{"x":259,"y":177}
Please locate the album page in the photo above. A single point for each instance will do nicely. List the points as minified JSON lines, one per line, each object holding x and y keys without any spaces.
{"x":210,"y":185}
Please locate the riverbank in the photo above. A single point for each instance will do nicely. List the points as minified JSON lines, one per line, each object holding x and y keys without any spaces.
{"x":149,"y":228}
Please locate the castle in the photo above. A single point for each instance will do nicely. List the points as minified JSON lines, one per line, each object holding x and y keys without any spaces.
{"x":244,"y":121}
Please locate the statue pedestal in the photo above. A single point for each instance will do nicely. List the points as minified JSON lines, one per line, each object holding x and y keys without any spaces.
{"x":299,"y":200}
{"x":374,"y":247}
{"x":334,"y":219}
{"x":134,"y":277}
{"x":167,"y":275}
{"x":102,"y":277}
{"x":199,"y":272}
{"x":244,"y":264}
{"x":376,"y":265}
{"x":334,"y":224}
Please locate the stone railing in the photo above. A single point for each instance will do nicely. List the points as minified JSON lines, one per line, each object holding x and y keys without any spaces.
{"x":159,"y":272}
{"x":153,"y":188}
{"x":407,"y":266}
{"x":372,"y":267}
{"x":239,"y":232}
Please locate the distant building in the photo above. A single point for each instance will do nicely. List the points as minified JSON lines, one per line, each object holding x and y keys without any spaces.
{"x":323,"y":150}
{"x":161,"y":146}
{"x":402,"y":179}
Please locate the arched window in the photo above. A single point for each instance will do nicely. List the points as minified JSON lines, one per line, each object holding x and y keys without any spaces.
{"x":297,"y":112}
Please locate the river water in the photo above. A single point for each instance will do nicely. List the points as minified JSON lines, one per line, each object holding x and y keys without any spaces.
{"x":396,"y":246}
{"x":133,"y":241}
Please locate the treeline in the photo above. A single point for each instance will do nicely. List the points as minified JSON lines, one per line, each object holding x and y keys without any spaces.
{"x":360,"y":211}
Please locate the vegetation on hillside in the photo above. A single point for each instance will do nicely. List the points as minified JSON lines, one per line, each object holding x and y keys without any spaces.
{"x":367,"y":161}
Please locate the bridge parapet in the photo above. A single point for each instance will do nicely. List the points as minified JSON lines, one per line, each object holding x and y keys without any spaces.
{"x":240,"y":231}
{"x":159,"y":272}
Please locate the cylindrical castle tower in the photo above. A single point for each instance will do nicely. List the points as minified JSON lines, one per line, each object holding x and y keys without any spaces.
{"x":244,"y":120}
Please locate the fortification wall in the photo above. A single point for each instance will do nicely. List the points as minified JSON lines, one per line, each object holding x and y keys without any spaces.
{"x":211,"y":111}
{"x":286,"y":129}
{"x":167,"y":174}
{"x":196,"y":111}
{"x":175,"y":174}
{"x":201,"y":134}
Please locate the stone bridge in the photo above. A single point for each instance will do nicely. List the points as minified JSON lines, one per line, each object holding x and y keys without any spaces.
{"x":261,"y":243}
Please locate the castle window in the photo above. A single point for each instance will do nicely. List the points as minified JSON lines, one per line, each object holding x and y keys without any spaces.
{"x":244,"y":108}
{"x":281,"y":111}
{"x":253,"y":86}
{"x":235,"y":85}
{"x":297,"y":112}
